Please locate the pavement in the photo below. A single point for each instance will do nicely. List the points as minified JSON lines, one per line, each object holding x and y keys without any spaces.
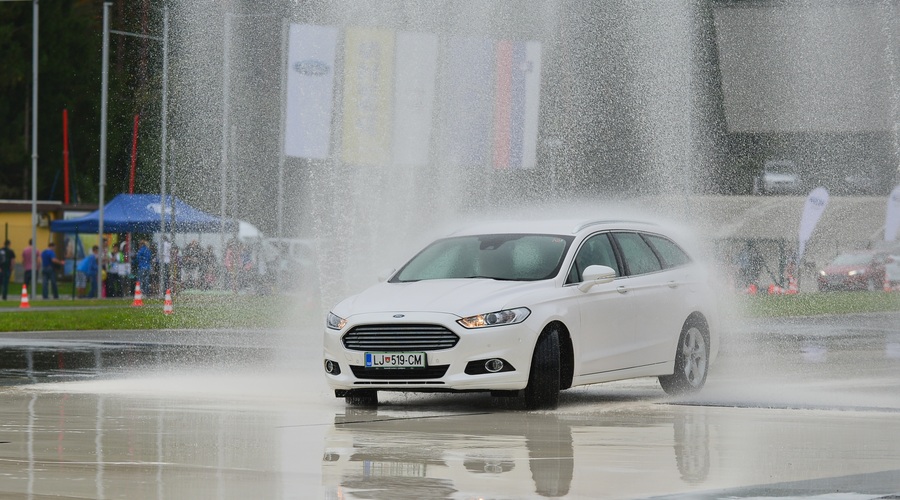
{"x":793,"y":408}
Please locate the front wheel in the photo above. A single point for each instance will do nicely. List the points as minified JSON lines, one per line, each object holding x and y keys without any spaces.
{"x":542,"y":391}
{"x":691,"y":361}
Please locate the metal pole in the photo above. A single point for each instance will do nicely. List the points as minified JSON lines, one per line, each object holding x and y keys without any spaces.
{"x":103,"y":110}
{"x":226,"y":88}
{"x":162,"y":158}
{"x":281,"y":156}
{"x":34,"y":147}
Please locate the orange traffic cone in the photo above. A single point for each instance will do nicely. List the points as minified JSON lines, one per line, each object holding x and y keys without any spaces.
{"x":138,"y":296}
{"x":775,"y":289}
{"x":24,"y":304}
{"x":167,"y":305}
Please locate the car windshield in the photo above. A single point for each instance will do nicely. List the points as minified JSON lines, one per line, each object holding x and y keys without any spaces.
{"x":514,"y":257}
{"x":852,"y":259}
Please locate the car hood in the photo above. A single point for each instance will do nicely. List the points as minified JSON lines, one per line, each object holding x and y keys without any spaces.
{"x":462,"y":297}
{"x":779,"y":177}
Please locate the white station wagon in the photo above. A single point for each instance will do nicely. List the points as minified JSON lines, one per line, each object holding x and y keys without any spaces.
{"x":528,"y":309}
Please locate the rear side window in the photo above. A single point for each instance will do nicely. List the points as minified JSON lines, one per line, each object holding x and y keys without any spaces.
{"x":671,"y":254}
{"x":637,"y":254}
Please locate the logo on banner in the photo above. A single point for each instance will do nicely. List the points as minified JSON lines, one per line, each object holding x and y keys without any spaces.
{"x":312,"y":67}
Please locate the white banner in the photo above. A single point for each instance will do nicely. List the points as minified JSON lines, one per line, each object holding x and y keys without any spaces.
{"x":812,"y":212}
{"x":415,"y":69}
{"x":892,"y":220}
{"x":466,"y":101}
{"x":310,"y":87}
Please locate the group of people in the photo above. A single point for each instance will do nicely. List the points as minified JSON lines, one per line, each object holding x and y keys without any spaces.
{"x":47,"y":262}
{"x":193,"y":267}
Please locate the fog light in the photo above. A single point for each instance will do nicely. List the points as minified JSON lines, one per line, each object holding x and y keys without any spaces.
{"x":330,"y":366}
{"x":493,"y":365}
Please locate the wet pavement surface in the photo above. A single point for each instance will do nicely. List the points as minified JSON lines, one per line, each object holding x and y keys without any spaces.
{"x":793,"y":408}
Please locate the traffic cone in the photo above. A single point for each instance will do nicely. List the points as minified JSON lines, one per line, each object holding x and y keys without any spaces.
{"x":775,"y":289}
{"x":24,"y":304}
{"x":138,"y":296}
{"x":167,"y":305}
{"x":887,"y":285}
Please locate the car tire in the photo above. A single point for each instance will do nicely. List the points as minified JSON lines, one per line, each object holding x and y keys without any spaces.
{"x":691,"y":361}
{"x":362,"y":397}
{"x":542,"y":391}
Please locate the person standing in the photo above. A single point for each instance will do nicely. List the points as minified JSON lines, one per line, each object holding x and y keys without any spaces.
{"x":48,"y":270}
{"x":7,"y":256}
{"x":143,"y":261}
{"x":89,"y":267}
{"x":26,"y":264}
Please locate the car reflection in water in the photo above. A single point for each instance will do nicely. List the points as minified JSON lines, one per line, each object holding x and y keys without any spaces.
{"x":382,"y":454}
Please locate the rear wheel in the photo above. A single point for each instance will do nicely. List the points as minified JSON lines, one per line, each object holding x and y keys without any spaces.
{"x":542,"y":391}
{"x":691,"y":361}
{"x":362,"y":397}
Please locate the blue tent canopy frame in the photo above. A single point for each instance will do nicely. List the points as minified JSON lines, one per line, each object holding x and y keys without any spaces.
{"x":140,"y":213}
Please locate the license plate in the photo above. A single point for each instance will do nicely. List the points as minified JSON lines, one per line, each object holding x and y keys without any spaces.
{"x":395,"y":360}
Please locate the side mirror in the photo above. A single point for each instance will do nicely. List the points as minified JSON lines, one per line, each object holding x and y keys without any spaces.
{"x":596,"y":275}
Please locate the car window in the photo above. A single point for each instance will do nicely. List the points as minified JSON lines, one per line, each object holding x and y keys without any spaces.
{"x":671,"y":254}
{"x":637,"y":254}
{"x":519,"y":257}
{"x":596,"y":250}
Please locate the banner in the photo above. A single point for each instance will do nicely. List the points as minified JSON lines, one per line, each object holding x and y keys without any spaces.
{"x":516,"y":104}
{"x":812,"y":212}
{"x":368,"y":88}
{"x":892,"y":220}
{"x":466,"y":111}
{"x":415,"y":70}
{"x":310,"y":81}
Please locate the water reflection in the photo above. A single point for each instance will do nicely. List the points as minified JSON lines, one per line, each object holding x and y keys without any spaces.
{"x":383,"y":454}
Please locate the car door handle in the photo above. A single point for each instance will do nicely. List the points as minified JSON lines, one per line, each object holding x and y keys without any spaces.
{"x":622,"y":289}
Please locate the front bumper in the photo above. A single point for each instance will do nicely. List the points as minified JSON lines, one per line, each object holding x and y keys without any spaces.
{"x":446,"y":368}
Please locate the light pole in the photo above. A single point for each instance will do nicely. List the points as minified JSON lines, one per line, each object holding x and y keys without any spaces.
{"x":163,"y":122}
{"x":34,"y":143}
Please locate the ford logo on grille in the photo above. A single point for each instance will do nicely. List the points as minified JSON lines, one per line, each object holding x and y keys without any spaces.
{"x":311,"y":67}
{"x":399,"y":315}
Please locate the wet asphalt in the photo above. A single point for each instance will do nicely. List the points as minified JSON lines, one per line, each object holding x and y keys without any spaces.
{"x":793,"y":408}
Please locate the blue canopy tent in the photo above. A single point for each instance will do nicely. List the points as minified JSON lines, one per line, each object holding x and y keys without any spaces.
{"x":140,"y":213}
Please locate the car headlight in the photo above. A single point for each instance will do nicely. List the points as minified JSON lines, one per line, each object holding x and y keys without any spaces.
{"x":823,"y":273}
{"x":505,"y":317}
{"x":334,"y":321}
{"x":853,"y":272}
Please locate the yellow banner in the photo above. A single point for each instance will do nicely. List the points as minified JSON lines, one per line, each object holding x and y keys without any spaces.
{"x":368,"y":91}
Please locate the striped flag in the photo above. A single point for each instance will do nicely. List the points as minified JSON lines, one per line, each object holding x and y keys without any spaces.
{"x":516,"y":104}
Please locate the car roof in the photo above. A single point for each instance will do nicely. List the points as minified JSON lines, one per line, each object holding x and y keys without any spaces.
{"x":552,"y":226}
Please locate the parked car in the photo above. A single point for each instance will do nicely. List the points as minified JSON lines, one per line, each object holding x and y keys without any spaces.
{"x":857,"y":270}
{"x":778,"y":177}
{"x":528,"y":309}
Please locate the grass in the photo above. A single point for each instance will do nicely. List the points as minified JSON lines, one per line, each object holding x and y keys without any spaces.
{"x":190,"y":311}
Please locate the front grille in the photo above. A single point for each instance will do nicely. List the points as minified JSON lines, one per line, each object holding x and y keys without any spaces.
{"x":399,"y":373}
{"x":397,"y":338}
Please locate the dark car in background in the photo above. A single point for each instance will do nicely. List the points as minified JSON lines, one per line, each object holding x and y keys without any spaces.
{"x":856,"y":270}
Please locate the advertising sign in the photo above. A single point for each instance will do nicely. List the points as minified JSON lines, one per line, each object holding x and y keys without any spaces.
{"x":368,"y":96}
